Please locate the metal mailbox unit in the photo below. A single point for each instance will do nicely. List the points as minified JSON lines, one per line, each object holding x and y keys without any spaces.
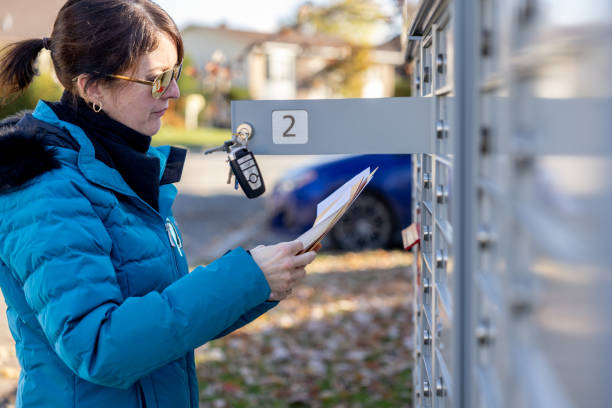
{"x":510,"y":128}
{"x":431,"y":51}
{"x":513,"y":277}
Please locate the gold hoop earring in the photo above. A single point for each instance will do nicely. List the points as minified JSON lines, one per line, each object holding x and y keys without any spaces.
{"x":97,"y":106}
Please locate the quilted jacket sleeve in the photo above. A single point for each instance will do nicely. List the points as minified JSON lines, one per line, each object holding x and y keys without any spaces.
{"x":59,"y":251}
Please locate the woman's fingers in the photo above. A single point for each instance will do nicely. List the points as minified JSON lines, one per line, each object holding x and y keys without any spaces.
{"x":281,"y":267}
{"x":293,"y":247}
{"x":304,"y":259}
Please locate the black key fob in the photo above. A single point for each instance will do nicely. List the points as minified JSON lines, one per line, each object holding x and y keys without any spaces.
{"x":247,"y":172}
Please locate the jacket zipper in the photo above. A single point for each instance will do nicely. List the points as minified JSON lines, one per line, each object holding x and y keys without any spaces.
{"x":173,"y":236}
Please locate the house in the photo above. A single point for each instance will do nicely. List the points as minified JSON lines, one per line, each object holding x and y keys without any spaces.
{"x":226,"y":45}
{"x":19,"y":21}
{"x":289,"y":64}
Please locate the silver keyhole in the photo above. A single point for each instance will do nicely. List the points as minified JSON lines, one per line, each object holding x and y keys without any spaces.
{"x":440,"y":388}
{"x":244,"y":132}
{"x":427,"y":233}
{"x":440,"y":62}
{"x":426,"y":285}
{"x":426,"y":389}
{"x":426,"y":337}
{"x":426,"y":180}
{"x":441,"y":258}
{"x":441,"y":129}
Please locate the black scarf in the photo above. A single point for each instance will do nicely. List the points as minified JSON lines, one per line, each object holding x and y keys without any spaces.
{"x":116,"y":145}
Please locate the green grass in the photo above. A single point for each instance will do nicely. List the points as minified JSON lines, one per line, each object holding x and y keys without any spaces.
{"x":200,"y":137}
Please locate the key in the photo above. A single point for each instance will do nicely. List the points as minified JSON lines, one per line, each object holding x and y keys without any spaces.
{"x":224,"y":148}
{"x":229,"y":176}
{"x":246,"y":170}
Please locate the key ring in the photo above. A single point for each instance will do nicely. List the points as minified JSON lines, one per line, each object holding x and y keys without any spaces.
{"x":244,"y":132}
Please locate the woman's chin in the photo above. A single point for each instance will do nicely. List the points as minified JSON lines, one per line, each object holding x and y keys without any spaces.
{"x":152,"y":127}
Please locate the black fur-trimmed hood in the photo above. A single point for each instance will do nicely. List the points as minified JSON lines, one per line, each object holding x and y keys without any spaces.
{"x":24,"y":153}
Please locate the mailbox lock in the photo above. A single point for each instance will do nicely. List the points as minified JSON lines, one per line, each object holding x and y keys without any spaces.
{"x":485,"y":140}
{"x":441,"y":194}
{"x":244,"y":132}
{"x":426,"y":233}
{"x":426,"y":337}
{"x":484,"y":237}
{"x":426,"y":285}
{"x":440,"y":60}
{"x":441,"y":129}
{"x":440,"y":388}
{"x":441,"y":258}
{"x":426,"y":389}
{"x":485,"y":45}
{"x":521,"y":302}
{"x":485,"y":334}
{"x":426,"y":180}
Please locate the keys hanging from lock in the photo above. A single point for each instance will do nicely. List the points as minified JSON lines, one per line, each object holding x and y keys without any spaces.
{"x":245,"y":168}
{"x":242,"y":162}
{"x":225,"y":147}
{"x":229,"y":177}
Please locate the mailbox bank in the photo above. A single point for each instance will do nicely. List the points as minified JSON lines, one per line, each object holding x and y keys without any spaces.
{"x":510,"y":130}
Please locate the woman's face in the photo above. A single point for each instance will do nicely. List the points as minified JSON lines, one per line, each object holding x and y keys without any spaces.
{"x":131,"y":103}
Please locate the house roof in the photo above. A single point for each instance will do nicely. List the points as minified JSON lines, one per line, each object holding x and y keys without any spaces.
{"x":247,"y":37}
{"x":288,"y":35}
{"x":291,"y":36}
{"x":19,"y":22}
{"x":394,"y":44}
{"x":284,"y":35}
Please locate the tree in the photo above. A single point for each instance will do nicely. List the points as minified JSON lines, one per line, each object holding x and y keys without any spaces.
{"x":44,"y":86}
{"x":355,"y":21}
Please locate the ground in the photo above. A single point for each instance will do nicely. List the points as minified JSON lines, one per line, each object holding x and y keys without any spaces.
{"x":343,"y":339}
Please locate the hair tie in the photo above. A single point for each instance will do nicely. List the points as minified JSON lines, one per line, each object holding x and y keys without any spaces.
{"x":46,"y":43}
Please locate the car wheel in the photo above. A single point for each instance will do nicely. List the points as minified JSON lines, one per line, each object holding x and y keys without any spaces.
{"x":367,"y":225}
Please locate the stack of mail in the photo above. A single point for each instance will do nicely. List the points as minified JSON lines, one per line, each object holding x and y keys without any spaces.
{"x":331,"y":209}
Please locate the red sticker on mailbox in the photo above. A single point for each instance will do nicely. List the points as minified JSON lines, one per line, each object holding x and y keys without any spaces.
{"x":410,"y":236}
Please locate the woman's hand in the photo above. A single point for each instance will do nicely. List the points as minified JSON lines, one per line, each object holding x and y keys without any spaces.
{"x":281,"y":266}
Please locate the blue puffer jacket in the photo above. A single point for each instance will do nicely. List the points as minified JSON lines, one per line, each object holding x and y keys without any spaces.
{"x":99,"y":299}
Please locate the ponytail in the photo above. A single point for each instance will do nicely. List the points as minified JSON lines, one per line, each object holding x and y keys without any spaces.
{"x":17,"y":65}
{"x":83,"y":42}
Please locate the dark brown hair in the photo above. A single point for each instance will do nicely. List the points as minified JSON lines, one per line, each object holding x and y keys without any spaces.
{"x":96,"y":37}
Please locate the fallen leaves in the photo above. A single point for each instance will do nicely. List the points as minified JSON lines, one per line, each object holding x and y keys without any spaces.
{"x":343,"y":339}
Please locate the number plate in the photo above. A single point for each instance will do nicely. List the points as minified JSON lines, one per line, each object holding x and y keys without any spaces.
{"x":290,"y":127}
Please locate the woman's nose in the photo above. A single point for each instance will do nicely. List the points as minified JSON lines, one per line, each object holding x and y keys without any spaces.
{"x":173,"y":91}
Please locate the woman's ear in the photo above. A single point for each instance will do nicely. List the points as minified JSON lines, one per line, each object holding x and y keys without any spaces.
{"x":92,"y":92}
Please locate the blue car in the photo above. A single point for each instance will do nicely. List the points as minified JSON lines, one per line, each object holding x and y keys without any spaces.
{"x":375,"y":219}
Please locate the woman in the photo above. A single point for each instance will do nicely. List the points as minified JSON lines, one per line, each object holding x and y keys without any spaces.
{"x":99,"y":301}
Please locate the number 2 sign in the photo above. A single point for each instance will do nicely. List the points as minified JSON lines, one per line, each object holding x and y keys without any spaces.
{"x":290,"y":127}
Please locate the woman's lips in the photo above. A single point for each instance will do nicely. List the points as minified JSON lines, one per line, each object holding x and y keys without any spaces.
{"x":160,"y":113}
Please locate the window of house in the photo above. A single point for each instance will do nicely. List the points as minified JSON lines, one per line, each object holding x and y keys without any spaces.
{"x":280,"y":66}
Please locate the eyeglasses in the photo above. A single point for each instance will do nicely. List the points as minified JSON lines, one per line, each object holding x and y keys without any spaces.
{"x":160,"y":84}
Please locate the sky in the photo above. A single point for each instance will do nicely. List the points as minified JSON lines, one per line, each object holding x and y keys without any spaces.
{"x":256,"y":15}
